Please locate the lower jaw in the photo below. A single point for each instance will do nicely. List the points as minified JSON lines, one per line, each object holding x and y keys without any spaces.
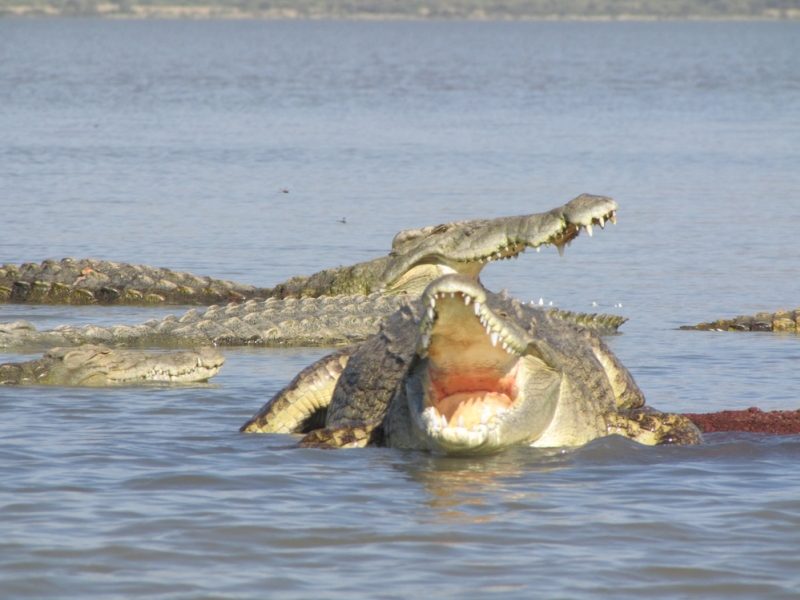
{"x":459,"y":440}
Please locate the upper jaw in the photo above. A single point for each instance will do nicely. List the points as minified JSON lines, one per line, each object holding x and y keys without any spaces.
{"x":477,"y":243}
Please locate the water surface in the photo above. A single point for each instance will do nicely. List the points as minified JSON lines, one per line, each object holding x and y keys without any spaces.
{"x":170,"y":144}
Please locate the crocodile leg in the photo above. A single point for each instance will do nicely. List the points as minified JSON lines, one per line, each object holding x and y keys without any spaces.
{"x":303,"y":404}
{"x":651,"y":427}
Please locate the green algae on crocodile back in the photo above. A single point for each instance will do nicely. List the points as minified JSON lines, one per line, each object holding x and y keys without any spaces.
{"x":91,"y":365}
{"x":465,"y":371}
{"x":417,"y":258}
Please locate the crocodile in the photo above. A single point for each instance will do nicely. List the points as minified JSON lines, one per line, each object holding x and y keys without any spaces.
{"x":782,"y":320}
{"x":331,"y":307}
{"x":417,"y":257}
{"x":91,"y":365}
{"x":462,"y":370}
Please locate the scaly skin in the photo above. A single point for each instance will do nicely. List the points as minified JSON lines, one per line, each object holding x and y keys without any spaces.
{"x":417,"y":258}
{"x":91,"y":365}
{"x":783,"y":320}
{"x":466,"y":371}
{"x":307,"y":322}
{"x":324,"y":321}
{"x":89,"y":281}
{"x":334,"y":309}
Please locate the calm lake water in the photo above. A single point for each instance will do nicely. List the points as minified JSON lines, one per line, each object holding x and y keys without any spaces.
{"x":169,"y":144}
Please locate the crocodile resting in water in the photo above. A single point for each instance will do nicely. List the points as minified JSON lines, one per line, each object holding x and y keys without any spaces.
{"x":99,"y":366}
{"x":782,"y":320}
{"x":332,"y":307}
{"x":465,"y":371}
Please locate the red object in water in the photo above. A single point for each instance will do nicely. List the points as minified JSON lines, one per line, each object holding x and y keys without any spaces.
{"x":754,"y":420}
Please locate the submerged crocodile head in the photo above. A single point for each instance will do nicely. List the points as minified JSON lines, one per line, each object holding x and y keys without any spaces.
{"x":487,"y":377}
{"x":92,"y":365}
{"x":421,"y":255}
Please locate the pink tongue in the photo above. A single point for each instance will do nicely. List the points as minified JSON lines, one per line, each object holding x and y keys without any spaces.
{"x":471,"y":406}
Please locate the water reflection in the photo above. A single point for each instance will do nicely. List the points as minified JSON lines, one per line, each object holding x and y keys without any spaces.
{"x":477,"y":489}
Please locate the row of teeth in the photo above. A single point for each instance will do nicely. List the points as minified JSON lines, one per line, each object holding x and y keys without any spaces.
{"x":439,"y":422}
{"x":612,"y":216}
{"x":514,"y":250}
{"x":170,"y":374}
{"x":161,"y":373}
{"x":494,"y":335}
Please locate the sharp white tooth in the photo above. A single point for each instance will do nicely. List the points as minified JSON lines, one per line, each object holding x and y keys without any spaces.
{"x":505,"y":346}
{"x":460,"y":420}
{"x":477,"y":307}
{"x":431,"y":313}
{"x":467,"y":300}
{"x":541,"y":301}
{"x":538,"y":248}
{"x":589,"y":229}
{"x":602,"y":222}
{"x":560,"y":250}
{"x":497,"y":255}
{"x":444,"y":421}
{"x":613,"y":217}
{"x":426,"y":340}
{"x":494,"y":336}
{"x":433,"y":301}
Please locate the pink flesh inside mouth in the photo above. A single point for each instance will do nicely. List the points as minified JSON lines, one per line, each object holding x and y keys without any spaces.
{"x":468,"y":379}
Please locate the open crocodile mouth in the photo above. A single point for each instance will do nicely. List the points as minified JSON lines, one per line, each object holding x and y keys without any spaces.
{"x":481,"y":242}
{"x":471,"y":365}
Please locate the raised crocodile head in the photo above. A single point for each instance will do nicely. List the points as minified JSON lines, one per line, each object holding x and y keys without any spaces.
{"x":485,"y":378}
{"x":92,"y":365}
{"x":419,"y":256}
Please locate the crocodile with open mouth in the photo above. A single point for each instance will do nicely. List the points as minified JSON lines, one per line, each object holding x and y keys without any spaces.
{"x":332,"y":307}
{"x":465,"y":371}
{"x":417,"y":257}
{"x":90,"y":365}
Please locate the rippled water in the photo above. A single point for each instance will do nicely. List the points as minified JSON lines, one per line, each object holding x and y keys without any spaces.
{"x":169,"y":143}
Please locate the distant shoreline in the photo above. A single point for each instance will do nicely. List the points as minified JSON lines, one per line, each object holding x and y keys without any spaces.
{"x":470,"y":11}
